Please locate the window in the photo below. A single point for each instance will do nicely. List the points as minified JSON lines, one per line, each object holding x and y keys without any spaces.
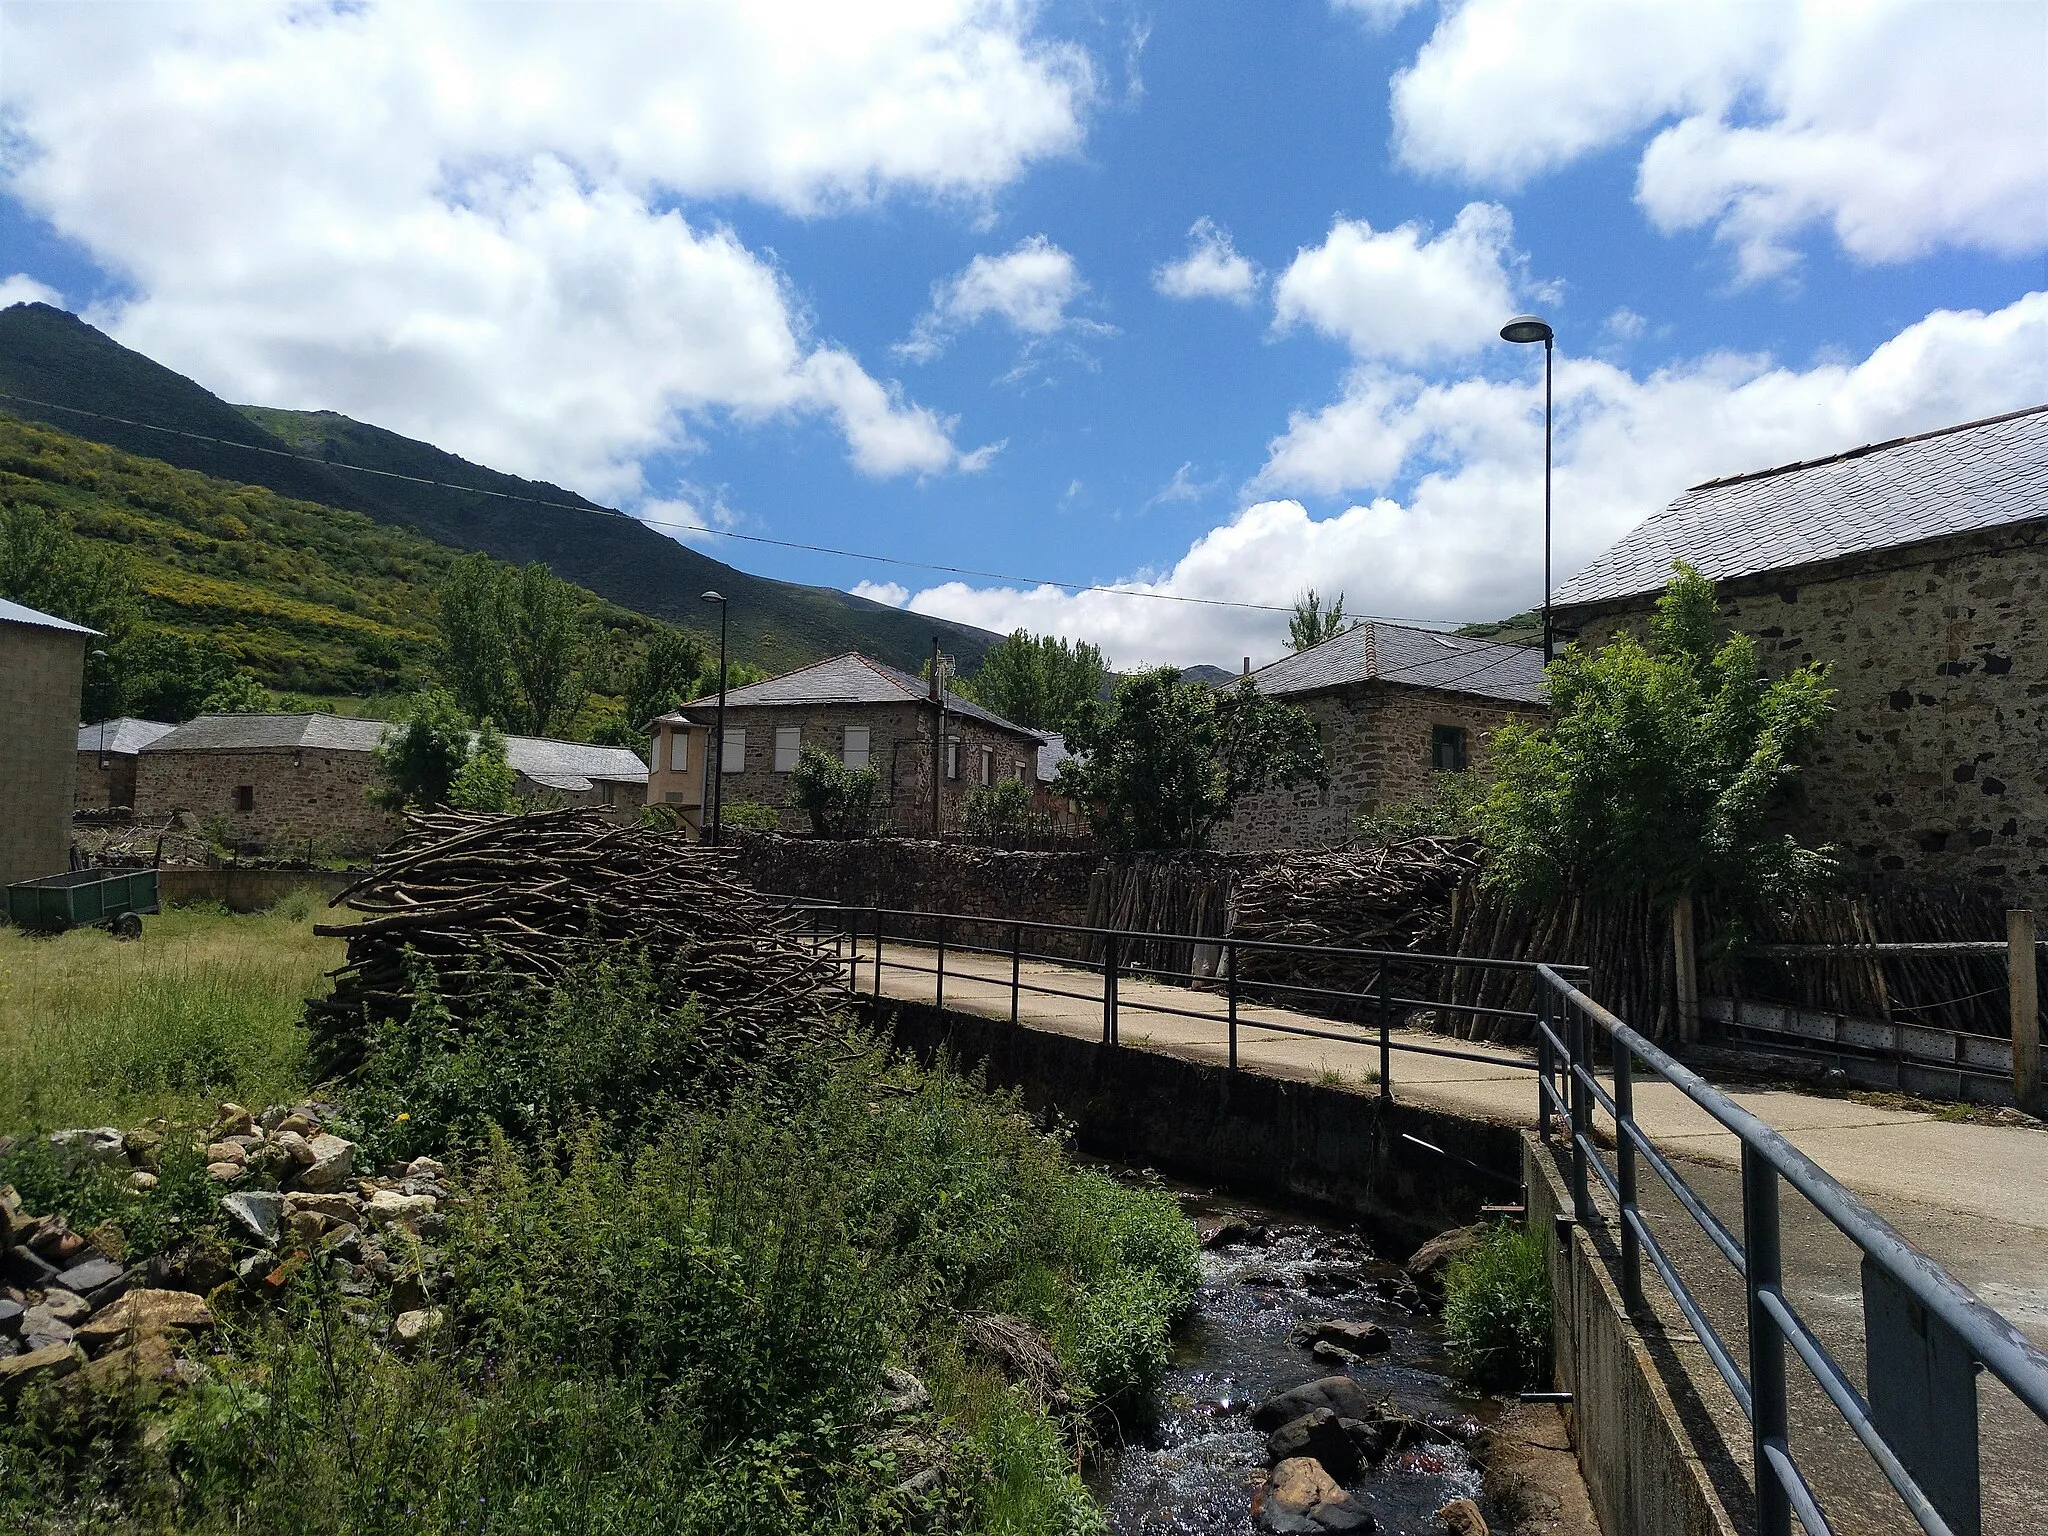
{"x":985,"y":770}
{"x":952,"y":757}
{"x":1017,"y":771}
{"x":734,"y":758}
{"x":245,"y":797}
{"x":679,"y":749}
{"x":610,"y":791}
{"x":1447,"y":748}
{"x":855,"y":753}
{"x":789,"y":740}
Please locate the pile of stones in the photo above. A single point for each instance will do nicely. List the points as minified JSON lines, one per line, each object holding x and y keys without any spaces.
{"x":292,"y":1195}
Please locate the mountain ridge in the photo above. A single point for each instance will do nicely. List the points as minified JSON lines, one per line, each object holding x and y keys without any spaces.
{"x":50,"y":359}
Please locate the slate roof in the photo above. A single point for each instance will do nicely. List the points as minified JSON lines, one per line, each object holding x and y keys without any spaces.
{"x":1052,"y":751}
{"x":1420,"y":658}
{"x":35,"y":618}
{"x":122,"y":736}
{"x":1981,"y":474}
{"x":851,"y":679}
{"x":566,"y":765}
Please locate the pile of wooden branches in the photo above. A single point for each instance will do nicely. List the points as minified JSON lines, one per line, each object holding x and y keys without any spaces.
{"x":479,"y":899}
{"x":1392,"y":898}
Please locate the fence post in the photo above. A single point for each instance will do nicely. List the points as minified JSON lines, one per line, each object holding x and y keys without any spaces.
{"x":1109,"y":989}
{"x":1546,"y":1061}
{"x":2026,"y":1011}
{"x":1230,"y":988}
{"x":878,"y":949}
{"x":1016,"y":966}
{"x":1625,"y":1157}
{"x":939,"y":977}
{"x":1686,"y":955}
{"x":1769,"y":1418}
{"x":1580,"y":1040}
{"x":1386,"y":1047}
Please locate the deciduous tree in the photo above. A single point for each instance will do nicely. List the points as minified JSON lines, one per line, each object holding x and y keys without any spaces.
{"x":1312,"y":623}
{"x":419,"y":756}
{"x":1039,"y":681}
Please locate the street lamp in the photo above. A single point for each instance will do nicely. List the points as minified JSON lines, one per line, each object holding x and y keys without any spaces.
{"x":715,"y":766}
{"x":1527,"y":328}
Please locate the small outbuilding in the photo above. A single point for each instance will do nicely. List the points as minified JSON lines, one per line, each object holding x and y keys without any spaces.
{"x":106,"y":761}
{"x":42,"y":667}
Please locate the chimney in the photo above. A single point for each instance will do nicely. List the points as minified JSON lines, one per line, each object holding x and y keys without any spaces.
{"x":1247,"y":666}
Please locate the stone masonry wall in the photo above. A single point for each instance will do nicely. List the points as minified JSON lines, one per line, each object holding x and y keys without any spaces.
{"x":40,"y":672}
{"x":1378,"y":739}
{"x":1934,"y":766}
{"x":299,"y":794}
{"x":899,"y":749}
{"x":97,"y":788}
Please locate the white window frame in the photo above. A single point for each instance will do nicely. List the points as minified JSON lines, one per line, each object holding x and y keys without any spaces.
{"x":985,"y":767}
{"x":856,"y":746}
{"x":679,"y":749}
{"x":733,"y":756}
{"x":789,"y":744}
{"x":953,"y":758}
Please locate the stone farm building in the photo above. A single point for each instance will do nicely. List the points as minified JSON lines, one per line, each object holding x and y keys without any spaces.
{"x":1916,"y":569}
{"x":42,"y":665}
{"x":285,"y":781}
{"x":1395,"y":705}
{"x":868,"y":714}
{"x":106,"y":761}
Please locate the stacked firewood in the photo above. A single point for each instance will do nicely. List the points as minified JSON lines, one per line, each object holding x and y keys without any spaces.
{"x":479,"y":899}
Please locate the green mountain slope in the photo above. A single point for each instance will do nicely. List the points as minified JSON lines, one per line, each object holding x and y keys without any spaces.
{"x":52,"y":357}
{"x":309,"y":598}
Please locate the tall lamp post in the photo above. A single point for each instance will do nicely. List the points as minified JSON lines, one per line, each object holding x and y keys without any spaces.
{"x":715,"y":766}
{"x":1527,"y":328}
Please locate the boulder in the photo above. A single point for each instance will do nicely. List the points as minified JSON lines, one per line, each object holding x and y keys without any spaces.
{"x":234,"y":1121}
{"x":142,"y":1181}
{"x":141,"y":1145}
{"x":10,"y":1315}
{"x":92,"y":1144}
{"x":296,"y":1124}
{"x":334,"y":1207}
{"x":197,"y":1265}
{"x":226,"y":1152}
{"x":388,"y":1208}
{"x":63,"y":1305}
{"x":142,"y":1313}
{"x":23,"y":1266}
{"x":902,"y":1394}
{"x":1461,"y":1517}
{"x":255,"y":1212}
{"x":89,"y":1274}
{"x":11,"y":1218}
{"x":333,"y":1161}
{"x":142,"y":1371}
{"x":1334,"y":1354}
{"x":1340,"y":1394}
{"x":45,"y":1364}
{"x":1426,"y":1265}
{"x":298,"y":1152}
{"x":226,"y":1173}
{"x":1229,"y":1232}
{"x":412,"y":1329}
{"x":425,"y":1168}
{"x":1357,"y":1338}
{"x":1320,"y":1435}
{"x":1302,"y":1499}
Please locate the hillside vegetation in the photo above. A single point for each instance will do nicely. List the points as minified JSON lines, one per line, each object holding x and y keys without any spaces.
{"x":309,"y":598}
{"x":54,"y":358}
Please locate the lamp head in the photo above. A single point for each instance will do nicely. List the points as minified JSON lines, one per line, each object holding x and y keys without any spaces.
{"x":1527,"y":328}
{"x":711,"y":597}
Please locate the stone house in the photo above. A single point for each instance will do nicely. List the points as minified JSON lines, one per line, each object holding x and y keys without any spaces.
{"x":106,"y":761}
{"x":868,"y":714}
{"x":1917,"y":569}
{"x":679,"y":748}
{"x":276,"y":781}
{"x":42,"y":666}
{"x":1395,"y":705}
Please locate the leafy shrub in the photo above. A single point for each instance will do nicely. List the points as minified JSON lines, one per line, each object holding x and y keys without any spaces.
{"x":750,"y":816}
{"x":419,"y":758}
{"x":486,"y":782}
{"x":1001,"y":809}
{"x":1450,"y":809}
{"x":839,"y":800}
{"x":1497,"y":1310}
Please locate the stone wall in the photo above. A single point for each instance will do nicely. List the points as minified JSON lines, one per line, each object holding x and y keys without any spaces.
{"x":298,"y":794}
{"x":899,"y":748}
{"x":102,"y":788}
{"x":1377,"y":736}
{"x":1934,"y":766}
{"x":40,"y":673}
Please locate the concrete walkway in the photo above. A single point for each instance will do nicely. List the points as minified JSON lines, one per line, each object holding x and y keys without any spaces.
{"x":1973,"y":1197}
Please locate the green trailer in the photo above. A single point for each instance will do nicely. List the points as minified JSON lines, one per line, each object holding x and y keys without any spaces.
{"x":112,"y":898}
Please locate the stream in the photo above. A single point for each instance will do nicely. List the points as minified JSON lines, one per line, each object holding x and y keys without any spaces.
{"x":1195,"y":1469}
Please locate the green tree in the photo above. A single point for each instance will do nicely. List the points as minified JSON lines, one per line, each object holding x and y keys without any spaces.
{"x":475,"y":619}
{"x":998,"y":810}
{"x":512,"y":644}
{"x":1040,"y":681}
{"x":44,"y":565}
{"x":1661,"y":771}
{"x":1166,"y":760}
{"x":1450,"y":808}
{"x":838,"y":800}
{"x":237,"y":694}
{"x":1312,"y":623}
{"x":663,"y":676}
{"x":547,"y":648}
{"x":486,"y":782}
{"x":419,"y":756}
{"x":167,"y":675}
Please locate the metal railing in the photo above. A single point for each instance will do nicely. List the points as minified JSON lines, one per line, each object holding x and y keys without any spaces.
{"x":1926,"y":1336}
{"x":862,"y":942}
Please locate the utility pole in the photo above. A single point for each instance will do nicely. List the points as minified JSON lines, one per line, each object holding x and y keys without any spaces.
{"x":938,"y":697}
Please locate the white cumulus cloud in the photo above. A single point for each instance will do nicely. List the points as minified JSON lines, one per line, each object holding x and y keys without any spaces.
{"x":1211,"y":269}
{"x":20,"y":288}
{"x":470,"y":222}
{"x":1462,"y":539}
{"x":1402,"y":293}
{"x":1903,"y":127}
{"x":1028,"y":287}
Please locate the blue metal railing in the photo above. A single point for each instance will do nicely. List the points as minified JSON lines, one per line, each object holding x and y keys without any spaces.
{"x":1926,"y":1336}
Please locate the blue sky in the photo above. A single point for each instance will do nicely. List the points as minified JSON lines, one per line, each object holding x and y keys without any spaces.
{"x":893,"y":281}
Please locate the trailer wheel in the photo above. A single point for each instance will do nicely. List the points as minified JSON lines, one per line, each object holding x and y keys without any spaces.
{"x":127,"y":926}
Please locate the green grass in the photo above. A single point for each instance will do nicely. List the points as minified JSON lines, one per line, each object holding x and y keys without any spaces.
{"x":1497,"y":1320}
{"x":203,"y":1007}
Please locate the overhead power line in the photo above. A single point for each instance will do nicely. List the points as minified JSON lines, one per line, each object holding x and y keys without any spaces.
{"x":650,"y":522}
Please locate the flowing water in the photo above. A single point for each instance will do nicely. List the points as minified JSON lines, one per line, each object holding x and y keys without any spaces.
{"x":1196,"y":1469}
